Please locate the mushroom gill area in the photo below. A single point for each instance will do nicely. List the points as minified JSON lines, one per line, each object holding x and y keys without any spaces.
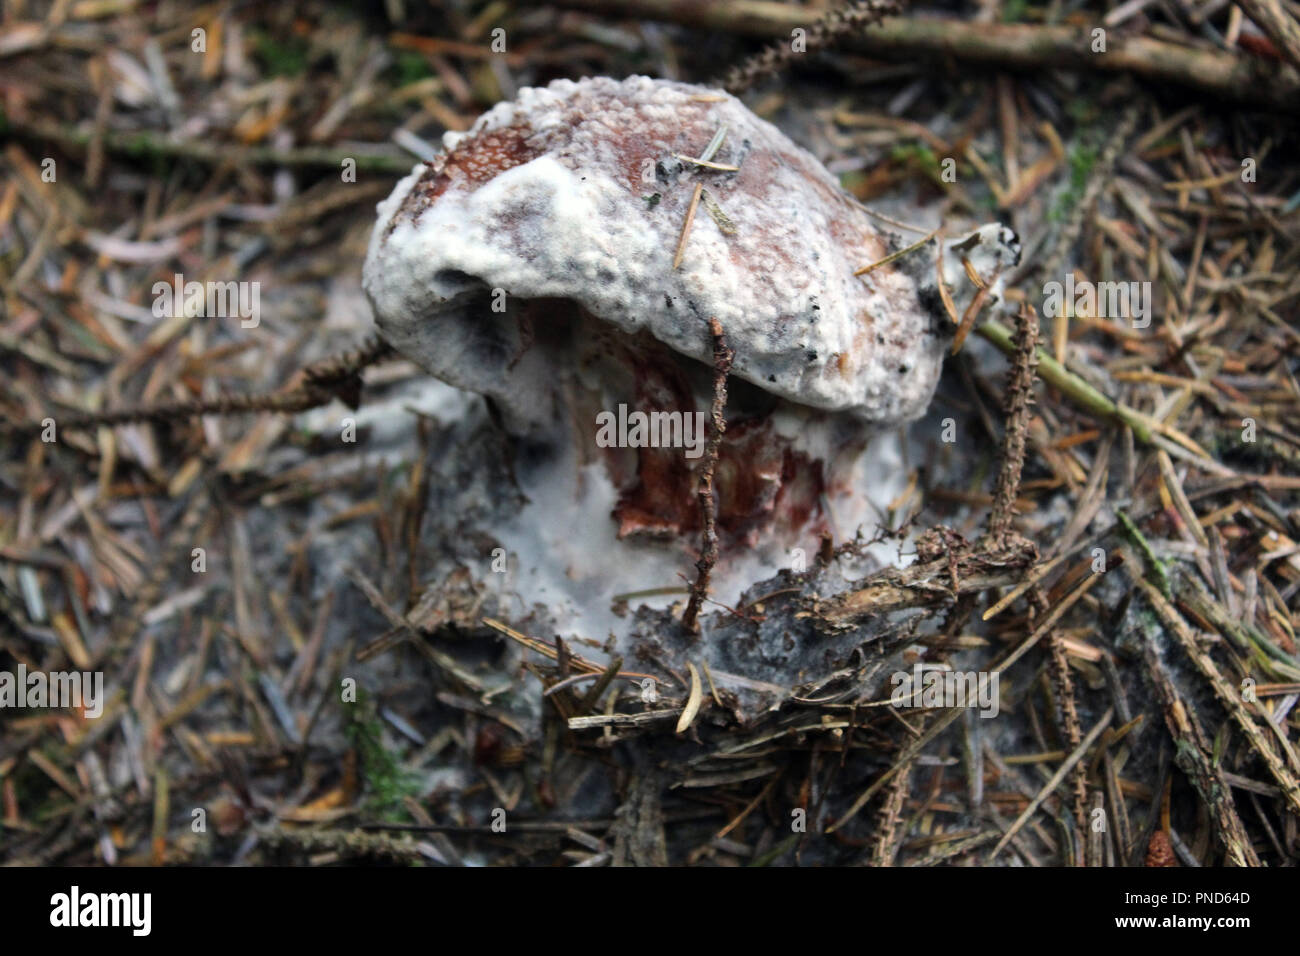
{"x":564,"y":258}
{"x":609,"y":519}
{"x":641,"y":411}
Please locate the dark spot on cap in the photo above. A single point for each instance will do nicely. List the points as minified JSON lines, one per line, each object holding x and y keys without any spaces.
{"x":667,"y":170}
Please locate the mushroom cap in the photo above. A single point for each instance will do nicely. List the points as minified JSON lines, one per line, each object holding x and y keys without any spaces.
{"x":575,"y":192}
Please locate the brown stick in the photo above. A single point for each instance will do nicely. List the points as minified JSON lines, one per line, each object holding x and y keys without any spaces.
{"x":1228,"y":696}
{"x":824,"y":33}
{"x":1192,"y":754}
{"x":924,"y":584}
{"x":335,"y":377}
{"x":1076,"y":755}
{"x":1020,"y":392}
{"x":1238,"y":77}
{"x":147,"y":144}
{"x":722,"y":359}
{"x":1280,"y":26}
{"x":1072,"y":730}
{"x":886,"y":845}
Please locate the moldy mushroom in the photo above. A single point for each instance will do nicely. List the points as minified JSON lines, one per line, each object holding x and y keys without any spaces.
{"x":535,"y":262}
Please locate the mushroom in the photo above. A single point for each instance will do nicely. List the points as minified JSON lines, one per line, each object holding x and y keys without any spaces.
{"x":564,"y":258}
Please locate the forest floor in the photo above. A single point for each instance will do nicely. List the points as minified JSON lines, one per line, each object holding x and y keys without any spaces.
{"x":1114,"y":534}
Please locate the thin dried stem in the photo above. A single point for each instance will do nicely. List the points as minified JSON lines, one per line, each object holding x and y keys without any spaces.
{"x":722,"y":359}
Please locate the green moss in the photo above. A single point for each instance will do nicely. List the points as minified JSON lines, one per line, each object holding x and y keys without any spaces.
{"x":409,"y":67}
{"x":919,"y":158}
{"x":387,"y":782}
{"x":1083,"y":110}
{"x":1013,"y":11}
{"x":279,"y":56}
{"x":1082,"y":158}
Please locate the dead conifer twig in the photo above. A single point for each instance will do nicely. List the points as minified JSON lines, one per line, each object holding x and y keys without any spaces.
{"x":1193,"y":755}
{"x":1075,"y":756}
{"x":1020,"y":392}
{"x":335,"y":377}
{"x":1280,"y":26}
{"x":886,"y":845}
{"x":838,"y":23}
{"x":1237,"y":76}
{"x":1063,"y":687}
{"x":722,"y":359}
{"x":1231,"y":700}
{"x":147,"y":144}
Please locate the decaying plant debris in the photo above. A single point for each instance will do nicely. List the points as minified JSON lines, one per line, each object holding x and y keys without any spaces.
{"x":1113,"y":532}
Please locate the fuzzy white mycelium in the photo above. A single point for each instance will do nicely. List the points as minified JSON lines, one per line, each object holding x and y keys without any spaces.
{"x":533,"y":262}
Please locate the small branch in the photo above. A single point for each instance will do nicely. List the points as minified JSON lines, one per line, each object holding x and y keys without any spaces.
{"x":686,"y":225}
{"x":335,"y":377}
{"x":1063,"y":687}
{"x":1280,"y":26}
{"x":1145,"y":429}
{"x":623,"y":720}
{"x":147,"y":144}
{"x":722,"y":359}
{"x":348,"y":845}
{"x":853,"y":17}
{"x":1020,"y":392}
{"x":1193,"y":753}
{"x":1229,"y":697}
{"x":1236,"y":76}
{"x":925,"y":584}
{"x":1075,"y":756}
{"x":886,"y":846}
